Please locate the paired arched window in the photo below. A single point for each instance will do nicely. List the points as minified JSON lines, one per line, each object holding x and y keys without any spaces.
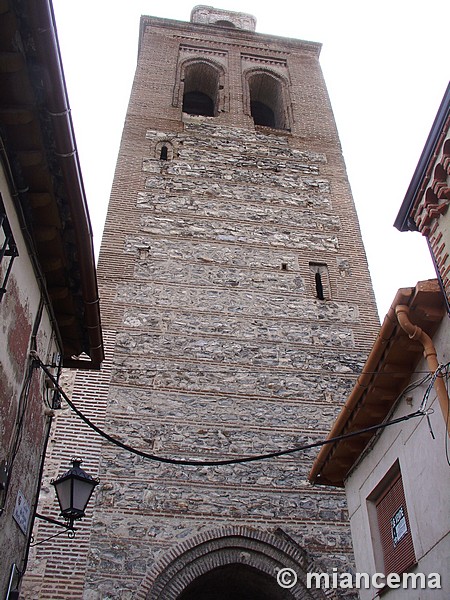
{"x":201,"y":89}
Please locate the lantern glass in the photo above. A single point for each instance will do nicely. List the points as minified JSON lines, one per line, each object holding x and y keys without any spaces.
{"x":63,"y":489}
{"x":82,"y":491}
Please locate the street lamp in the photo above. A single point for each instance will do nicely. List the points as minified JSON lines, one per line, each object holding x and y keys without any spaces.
{"x":73,"y":490}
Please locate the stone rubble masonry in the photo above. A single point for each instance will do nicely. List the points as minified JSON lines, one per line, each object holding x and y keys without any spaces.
{"x":217,"y":344}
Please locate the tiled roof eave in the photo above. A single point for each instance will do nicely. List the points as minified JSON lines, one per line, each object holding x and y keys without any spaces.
{"x":387,"y":371}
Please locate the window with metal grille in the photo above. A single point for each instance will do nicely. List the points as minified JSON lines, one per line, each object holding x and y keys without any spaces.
{"x":8,"y":250}
{"x":393,"y":528}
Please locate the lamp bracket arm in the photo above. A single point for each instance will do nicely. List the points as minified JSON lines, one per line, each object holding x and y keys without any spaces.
{"x":66,"y":525}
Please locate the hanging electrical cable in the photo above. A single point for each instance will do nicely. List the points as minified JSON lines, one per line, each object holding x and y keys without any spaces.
{"x":447,"y":456}
{"x":430,"y":387}
{"x":214,"y":463}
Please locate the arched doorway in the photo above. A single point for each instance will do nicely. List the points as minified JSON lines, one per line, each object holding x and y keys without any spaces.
{"x":231,"y":563}
{"x":235,"y":582}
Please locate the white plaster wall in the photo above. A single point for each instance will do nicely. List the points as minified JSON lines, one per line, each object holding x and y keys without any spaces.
{"x":426,"y":481}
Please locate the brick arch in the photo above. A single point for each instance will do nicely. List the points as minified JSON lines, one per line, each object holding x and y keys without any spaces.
{"x":261,"y":551}
{"x":207,"y":63}
{"x":281,"y":104}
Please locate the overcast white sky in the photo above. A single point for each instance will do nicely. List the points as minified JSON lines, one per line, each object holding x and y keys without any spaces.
{"x":386,"y":65}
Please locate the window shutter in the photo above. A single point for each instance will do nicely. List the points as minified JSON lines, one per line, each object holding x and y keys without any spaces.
{"x":397,"y":544}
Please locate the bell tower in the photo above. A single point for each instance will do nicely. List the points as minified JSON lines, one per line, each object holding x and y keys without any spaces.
{"x":236,"y":304}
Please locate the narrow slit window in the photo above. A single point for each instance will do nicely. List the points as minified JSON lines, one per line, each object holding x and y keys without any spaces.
{"x":163,"y":155}
{"x":319,"y":286}
{"x":164,"y":150}
{"x":320,"y":281}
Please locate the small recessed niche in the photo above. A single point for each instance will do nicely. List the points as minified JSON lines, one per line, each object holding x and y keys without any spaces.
{"x":284,"y":266}
{"x":223,"y":23}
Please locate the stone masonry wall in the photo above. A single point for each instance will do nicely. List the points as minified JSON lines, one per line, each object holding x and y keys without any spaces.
{"x":223,"y":352}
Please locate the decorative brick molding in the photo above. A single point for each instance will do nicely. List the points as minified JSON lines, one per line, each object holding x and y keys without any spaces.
{"x":261,"y":550}
{"x":433,"y":205}
{"x":435,"y":192}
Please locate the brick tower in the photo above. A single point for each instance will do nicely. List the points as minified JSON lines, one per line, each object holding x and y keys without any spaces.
{"x":236,"y":306}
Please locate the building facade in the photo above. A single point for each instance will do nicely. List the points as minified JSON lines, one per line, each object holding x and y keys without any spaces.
{"x":397,"y":480}
{"x":237,"y":311}
{"x":49,"y":311}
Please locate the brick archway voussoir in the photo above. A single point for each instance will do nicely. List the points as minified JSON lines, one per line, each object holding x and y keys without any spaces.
{"x":264,"y":551}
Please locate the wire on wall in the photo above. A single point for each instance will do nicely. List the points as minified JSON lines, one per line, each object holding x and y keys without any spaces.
{"x":214,"y":463}
{"x":447,"y":454}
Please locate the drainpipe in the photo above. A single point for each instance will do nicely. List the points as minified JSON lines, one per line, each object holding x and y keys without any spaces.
{"x":429,"y":351}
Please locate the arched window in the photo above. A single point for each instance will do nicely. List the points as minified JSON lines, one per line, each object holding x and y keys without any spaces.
{"x":267,"y":102}
{"x":164,"y":150}
{"x":201,"y":87}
